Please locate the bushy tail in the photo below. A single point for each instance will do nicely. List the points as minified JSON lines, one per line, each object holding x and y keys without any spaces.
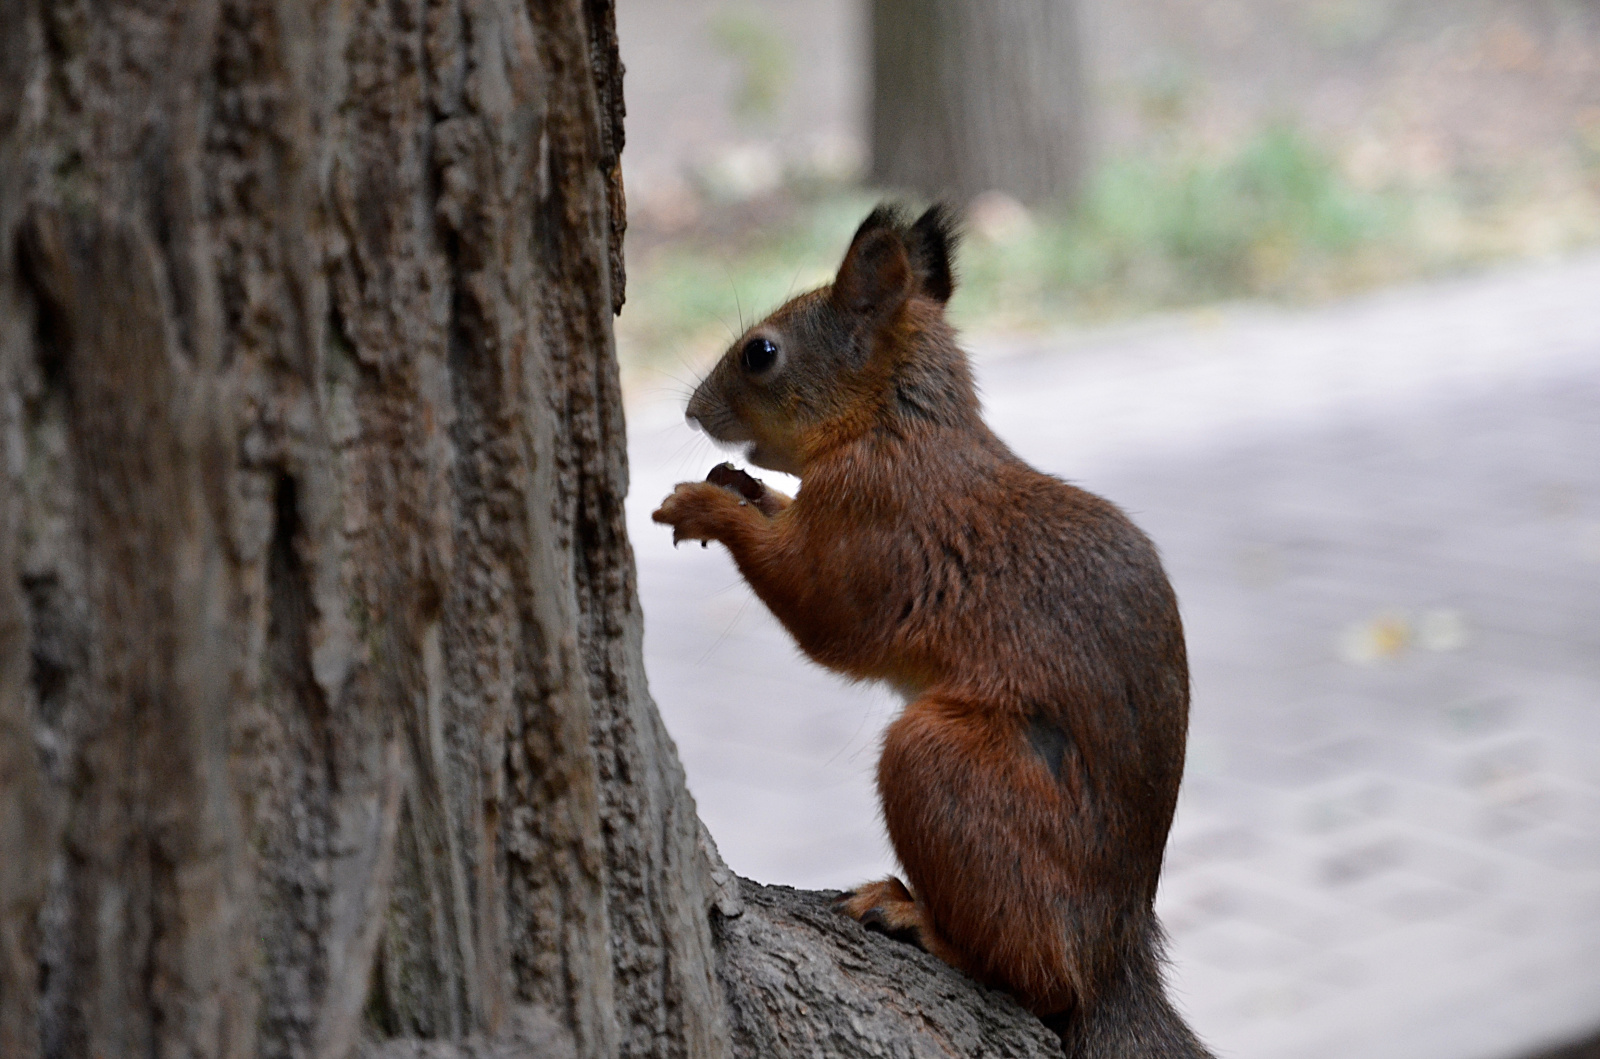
{"x":1131,"y":1019}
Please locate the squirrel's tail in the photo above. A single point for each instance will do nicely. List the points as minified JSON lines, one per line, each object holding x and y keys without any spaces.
{"x":1131,"y":1018}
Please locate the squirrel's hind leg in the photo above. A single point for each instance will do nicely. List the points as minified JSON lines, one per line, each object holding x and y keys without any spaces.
{"x":887,"y":907}
{"x":984,"y":831}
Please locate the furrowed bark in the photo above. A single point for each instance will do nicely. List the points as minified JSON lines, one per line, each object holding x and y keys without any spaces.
{"x":322,"y":718}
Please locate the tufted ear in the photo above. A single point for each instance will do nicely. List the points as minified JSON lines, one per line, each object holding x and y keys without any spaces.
{"x":876,"y":277}
{"x":931,"y":244}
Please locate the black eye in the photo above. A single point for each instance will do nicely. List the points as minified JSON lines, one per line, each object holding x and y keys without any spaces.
{"x":758,"y":355}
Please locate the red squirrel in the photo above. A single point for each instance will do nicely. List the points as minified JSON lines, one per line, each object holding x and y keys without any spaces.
{"x":1029,"y":783}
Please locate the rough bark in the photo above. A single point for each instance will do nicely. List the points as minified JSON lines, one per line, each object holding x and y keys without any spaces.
{"x":322,"y":712}
{"x":804,"y":982}
{"x":323,"y":724}
{"x":970,"y":96}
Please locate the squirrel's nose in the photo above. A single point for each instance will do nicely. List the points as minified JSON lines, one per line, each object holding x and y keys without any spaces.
{"x":697,"y":408}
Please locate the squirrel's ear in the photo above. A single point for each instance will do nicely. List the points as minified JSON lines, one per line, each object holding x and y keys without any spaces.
{"x":931,"y":244}
{"x":875,"y":278}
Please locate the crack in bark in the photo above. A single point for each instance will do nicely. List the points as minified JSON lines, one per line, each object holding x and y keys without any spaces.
{"x":294,"y":831}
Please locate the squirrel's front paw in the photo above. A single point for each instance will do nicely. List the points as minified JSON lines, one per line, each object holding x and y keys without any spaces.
{"x":694,"y":510}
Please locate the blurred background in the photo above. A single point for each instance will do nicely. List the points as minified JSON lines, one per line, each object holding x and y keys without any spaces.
{"x":1312,"y":289}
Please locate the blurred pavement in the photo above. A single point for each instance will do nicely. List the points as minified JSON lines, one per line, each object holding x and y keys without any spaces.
{"x":1383,"y":522}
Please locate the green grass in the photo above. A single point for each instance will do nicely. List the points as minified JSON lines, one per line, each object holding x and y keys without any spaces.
{"x":1274,"y":218}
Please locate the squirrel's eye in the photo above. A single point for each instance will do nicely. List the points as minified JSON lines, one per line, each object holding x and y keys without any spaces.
{"x":758,"y":355}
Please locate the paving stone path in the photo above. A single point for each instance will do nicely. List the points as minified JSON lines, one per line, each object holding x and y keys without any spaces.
{"x":1383,"y":523}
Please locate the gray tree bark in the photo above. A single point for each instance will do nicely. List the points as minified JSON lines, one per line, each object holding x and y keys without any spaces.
{"x":804,"y":982}
{"x":323,"y":710}
{"x":323,"y":723}
{"x":976,"y":95}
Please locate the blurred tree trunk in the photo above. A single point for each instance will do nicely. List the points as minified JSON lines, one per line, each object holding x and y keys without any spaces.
{"x":974,"y":95}
{"x":322,"y":716}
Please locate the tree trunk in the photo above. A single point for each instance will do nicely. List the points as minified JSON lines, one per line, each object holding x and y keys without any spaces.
{"x":976,"y":95}
{"x":323,"y":724}
{"x":323,"y":711}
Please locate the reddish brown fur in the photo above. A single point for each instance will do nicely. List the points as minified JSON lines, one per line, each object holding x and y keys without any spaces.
{"x":1029,"y":784}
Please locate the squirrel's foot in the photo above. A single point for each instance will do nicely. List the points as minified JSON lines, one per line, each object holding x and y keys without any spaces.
{"x":697,"y":511}
{"x":887,"y":907}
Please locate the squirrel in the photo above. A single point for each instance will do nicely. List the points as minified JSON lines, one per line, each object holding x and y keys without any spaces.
{"x":1029,"y":783}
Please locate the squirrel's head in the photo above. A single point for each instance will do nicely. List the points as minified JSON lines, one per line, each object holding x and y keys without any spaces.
{"x":867,"y":350}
